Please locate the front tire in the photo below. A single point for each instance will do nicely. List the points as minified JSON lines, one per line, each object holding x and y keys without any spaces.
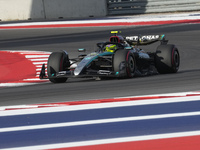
{"x":167,"y":59}
{"x":56,"y":62}
{"x":124,"y":64}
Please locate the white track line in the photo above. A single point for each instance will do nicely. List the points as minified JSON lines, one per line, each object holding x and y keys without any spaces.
{"x":15,"y":85}
{"x":90,"y":106}
{"x":37,"y":63}
{"x":110,"y":141}
{"x":143,"y":18}
{"x":42,"y":59}
{"x":98,"y":121}
{"x":37,"y":56}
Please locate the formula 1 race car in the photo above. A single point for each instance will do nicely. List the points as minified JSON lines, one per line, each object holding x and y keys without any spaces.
{"x":118,"y":58}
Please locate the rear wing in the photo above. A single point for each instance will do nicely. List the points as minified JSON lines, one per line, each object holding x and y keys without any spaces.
{"x":146,"y":39}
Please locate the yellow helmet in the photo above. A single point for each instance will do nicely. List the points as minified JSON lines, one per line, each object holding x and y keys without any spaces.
{"x":110,"y":48}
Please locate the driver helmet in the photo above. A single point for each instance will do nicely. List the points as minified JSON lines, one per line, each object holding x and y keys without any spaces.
{"x":110,"y":48}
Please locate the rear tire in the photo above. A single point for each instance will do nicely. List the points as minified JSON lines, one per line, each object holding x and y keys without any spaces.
{"x":56,"y":62}
{"x":167,"y":59}
{"x":124,"y":64}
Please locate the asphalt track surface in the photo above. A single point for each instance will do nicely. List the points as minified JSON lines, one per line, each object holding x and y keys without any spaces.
{"x":184,"y":36}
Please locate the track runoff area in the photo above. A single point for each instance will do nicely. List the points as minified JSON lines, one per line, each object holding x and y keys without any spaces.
{"x":167,"y":122}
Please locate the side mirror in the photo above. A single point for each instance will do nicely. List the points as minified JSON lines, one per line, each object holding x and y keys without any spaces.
{"x":128,"y":48}
{"x":81,"y":50}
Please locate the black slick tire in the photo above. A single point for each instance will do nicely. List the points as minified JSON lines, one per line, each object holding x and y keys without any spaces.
{"x":167,"y":59}
{"x":124,"y":64}
{"x":56,"y":63}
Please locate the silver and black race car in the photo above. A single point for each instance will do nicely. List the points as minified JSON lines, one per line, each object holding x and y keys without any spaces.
{"x":121,"y":57}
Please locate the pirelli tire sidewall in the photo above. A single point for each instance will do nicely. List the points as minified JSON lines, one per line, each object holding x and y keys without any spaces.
{"x":124,"y":64}
{"x":167,"y":59}
{"x":55,"y":64}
